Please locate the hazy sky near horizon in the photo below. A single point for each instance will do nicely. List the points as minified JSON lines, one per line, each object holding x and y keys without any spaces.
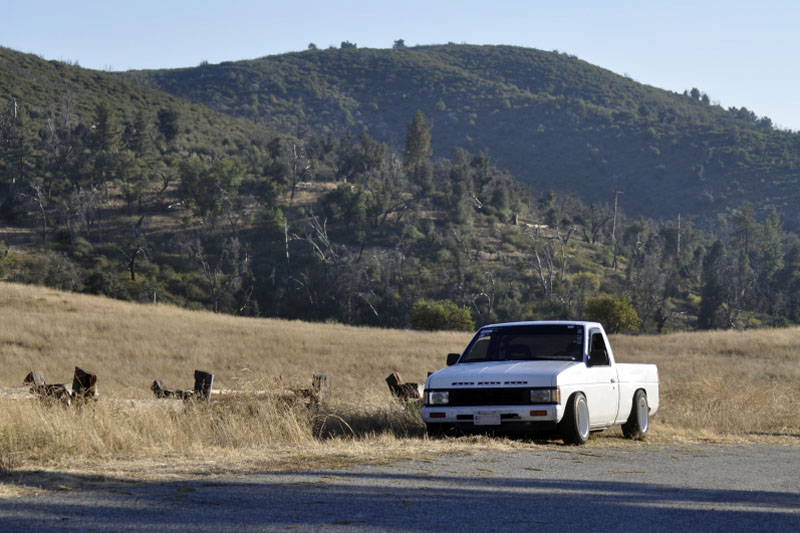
{"x":741,"y":53}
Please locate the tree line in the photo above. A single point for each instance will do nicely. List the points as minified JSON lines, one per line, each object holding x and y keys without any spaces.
{"x":347,"y":228}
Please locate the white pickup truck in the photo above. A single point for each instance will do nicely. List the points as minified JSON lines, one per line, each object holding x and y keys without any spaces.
{"x":540,"y":377}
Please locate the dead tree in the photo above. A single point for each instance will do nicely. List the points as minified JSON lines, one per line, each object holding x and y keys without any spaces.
{"x":594,"y":222}
{"x":134,"y":249}
{"x":543,"y":262}
{"x":224,"y":271}
{"x":300,"y":166}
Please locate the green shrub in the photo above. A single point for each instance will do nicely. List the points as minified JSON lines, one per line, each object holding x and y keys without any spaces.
{"x":102,"y":282}
{"x":615,"y":313}
{"x":440,"y":314}
{"x":52,"y":270}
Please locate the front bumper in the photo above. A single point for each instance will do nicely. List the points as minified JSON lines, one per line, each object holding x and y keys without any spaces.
{"x":509,"y":414}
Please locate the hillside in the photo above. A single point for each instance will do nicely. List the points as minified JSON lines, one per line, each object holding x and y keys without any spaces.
{"x":552,"y":120}
{"x":110,"y":188}
{"x":62,"y":96}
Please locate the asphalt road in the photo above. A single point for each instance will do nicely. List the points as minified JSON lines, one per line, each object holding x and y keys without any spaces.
{"x":640,"y":487}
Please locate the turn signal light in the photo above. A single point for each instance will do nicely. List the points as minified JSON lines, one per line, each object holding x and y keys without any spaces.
{"x":538,"y":413}
{"x":437,"y":415}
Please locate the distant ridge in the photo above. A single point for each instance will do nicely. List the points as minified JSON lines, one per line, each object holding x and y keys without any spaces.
{"x":71,"y":93}
{"x":551,"y":119}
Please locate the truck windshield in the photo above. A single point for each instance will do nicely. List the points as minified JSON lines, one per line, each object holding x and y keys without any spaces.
{"x":526,"y":343}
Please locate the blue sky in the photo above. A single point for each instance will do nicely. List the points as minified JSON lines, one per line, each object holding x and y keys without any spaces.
{"x":740,"y":53}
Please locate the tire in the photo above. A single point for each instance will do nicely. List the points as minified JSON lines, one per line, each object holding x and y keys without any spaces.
{"x":436,"y":431}
{"x":639,"y":420}
{"x":574,"y":427}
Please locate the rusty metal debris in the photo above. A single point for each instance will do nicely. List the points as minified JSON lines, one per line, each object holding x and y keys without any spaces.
{"x":83,"y":389}
{"x":405,"y":392}
{"x":203,"y":381}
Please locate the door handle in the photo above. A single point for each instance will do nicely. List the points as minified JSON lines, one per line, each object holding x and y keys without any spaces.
{"x":613,"y":380}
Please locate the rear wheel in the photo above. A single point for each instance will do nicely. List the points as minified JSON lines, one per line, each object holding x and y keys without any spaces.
{"x":574,"y":427}
{"x":639,"y":420}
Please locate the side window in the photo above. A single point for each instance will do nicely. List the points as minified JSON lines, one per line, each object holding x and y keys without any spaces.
{"x":597,"y":342}
{"x":598,"y":345}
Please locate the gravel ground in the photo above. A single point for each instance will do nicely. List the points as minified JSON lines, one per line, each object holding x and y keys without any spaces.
{"x":638,"y":487}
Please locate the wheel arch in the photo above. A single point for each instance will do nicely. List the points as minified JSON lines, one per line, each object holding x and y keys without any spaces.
{"x":567,"y":392}
{"x":573,"y":428}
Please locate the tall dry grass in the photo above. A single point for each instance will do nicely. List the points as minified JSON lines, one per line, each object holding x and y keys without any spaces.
{"x":42,"y":433}
{"x":744,"y":383}
{"x":718,"y":384}
{"x":129,"y":345}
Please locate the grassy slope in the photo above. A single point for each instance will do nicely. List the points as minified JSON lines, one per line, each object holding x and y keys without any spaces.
{"x":553,"y":120}
{"x":733,"y":385}
{"x":130,"y":345}
{"x":52,"y":87}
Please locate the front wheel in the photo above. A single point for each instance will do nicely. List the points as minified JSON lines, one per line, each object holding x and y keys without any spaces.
{"x":436,"y":431}
{"x":639,"y":420}
{"x":574,"y":427}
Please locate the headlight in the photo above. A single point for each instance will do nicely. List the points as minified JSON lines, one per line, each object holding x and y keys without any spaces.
{"x":546,"y":395}
{"x":437,"y":397}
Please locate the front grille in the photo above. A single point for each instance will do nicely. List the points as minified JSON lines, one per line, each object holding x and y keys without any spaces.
{"x":490,"y":396}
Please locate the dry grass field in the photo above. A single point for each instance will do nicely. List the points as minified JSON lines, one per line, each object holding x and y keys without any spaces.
{"x":716,"y":386}
{"x":734,"y":384}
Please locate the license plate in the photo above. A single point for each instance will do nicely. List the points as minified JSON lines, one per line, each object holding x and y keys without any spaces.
{"x":487,"y":419}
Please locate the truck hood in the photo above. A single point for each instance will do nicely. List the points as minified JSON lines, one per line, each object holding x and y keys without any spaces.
{"x":499,"y":374}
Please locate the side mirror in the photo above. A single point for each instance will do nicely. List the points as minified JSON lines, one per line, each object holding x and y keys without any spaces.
{"x":597,"y":358}
{"x":452,"y":358}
